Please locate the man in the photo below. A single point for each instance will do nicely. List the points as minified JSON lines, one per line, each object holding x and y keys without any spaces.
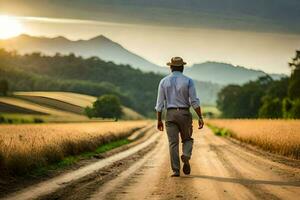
{"x":177,"y":93}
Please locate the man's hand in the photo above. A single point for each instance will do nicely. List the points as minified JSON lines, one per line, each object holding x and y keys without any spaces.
{"x":200,"y":120}
{"x":200,"y":123}
{"x":160,"y":125}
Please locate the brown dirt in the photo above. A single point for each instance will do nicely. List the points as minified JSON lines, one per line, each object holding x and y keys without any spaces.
{"x":220,"y":170}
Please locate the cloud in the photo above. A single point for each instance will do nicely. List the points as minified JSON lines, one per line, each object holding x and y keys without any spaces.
{"x":255,"y":15}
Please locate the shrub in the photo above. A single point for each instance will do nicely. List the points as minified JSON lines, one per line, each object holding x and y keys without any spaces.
{"x":38,"y":120}
{"x":106,"y":106}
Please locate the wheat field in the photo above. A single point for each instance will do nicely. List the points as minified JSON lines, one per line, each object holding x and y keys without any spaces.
{"x":276,"y":136}
{"x":25,"y":147}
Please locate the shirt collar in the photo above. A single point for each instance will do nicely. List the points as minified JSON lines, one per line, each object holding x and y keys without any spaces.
{"x":176,"y":73}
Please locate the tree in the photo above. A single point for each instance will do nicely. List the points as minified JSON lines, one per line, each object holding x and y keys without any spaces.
{"x":3,"y":87}
{"x":291,"y":108}
{"x":278,"y":88}
{"x":243,"y":101}
{"x":107,"y":106}
{"x":227,"y":100}
{"x":271,"y":108}
{"x":294,"y":85}
{"x":88,"y":111}
{"x":295,"y":111}
{"x":287,"y":105}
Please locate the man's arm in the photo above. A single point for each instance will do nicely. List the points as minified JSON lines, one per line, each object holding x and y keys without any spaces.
{"x":160,"y":125}
{"x":159,"y":106}
{"x":195,"y":102}
{"x":200,"y":120}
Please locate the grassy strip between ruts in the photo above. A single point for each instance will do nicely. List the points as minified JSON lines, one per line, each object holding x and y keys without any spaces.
{"x":71,"y":160}
{"x":219,"y":131}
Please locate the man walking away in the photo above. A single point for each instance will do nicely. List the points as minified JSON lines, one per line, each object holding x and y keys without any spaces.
{"x":176,"y":93}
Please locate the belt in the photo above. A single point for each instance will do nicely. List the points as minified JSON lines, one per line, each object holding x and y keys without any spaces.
{"x":178,"y":108}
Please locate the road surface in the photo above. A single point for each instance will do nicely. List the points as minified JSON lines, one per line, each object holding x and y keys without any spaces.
{"x":220,"y":170}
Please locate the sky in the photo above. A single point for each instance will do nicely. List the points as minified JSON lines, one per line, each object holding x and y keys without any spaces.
{"x":258,"y":34}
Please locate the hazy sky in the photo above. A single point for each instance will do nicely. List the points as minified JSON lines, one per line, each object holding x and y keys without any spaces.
{"x":260,"y":34}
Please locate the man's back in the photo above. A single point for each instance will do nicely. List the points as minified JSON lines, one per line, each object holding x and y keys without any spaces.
{"x":178,"y":91}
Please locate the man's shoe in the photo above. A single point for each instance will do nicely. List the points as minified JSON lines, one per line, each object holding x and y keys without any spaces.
{"x":186,"y":165}
{"x":175,"y":175}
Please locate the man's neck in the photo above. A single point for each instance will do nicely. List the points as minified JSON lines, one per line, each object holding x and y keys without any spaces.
{"x":176,"y":72}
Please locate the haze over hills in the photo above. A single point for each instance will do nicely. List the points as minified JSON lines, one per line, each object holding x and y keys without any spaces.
{"x":224,"y":74}
{"x":108,"y":50}
{"x":99,"y":46}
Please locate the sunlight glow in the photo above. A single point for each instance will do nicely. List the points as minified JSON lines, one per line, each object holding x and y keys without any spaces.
{"x":9,"y":27}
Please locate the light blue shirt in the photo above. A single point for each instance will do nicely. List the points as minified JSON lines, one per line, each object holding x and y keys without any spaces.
{"x":176,"y":91}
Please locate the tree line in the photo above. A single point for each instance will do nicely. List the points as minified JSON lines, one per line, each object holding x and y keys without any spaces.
{"x":70,"y":73}
{"x":264,"y":98}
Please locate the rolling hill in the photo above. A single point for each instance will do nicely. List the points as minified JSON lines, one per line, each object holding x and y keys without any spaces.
{"x":15,"y":105}
{"x":69,"y":102}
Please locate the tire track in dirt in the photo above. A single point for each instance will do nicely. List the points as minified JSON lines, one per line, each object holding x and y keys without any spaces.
{"x":85,"y":187}
{"x":220,"y":170}
{"x":120,"y":187}
{"x":255,"y":172}
{"x":211,"y":178}
{"x":258,"y":192}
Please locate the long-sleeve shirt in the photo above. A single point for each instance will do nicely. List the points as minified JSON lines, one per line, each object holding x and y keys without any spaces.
{"x":176,"y":91}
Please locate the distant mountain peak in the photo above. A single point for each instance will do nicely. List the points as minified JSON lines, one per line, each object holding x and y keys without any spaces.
{"x":60,"y":38}
{"x":101,"y":38}
{"x":22,"y":36}
{"x":100,"y":46}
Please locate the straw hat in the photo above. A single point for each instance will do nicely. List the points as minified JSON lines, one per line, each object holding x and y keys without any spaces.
{"x":177,"y":62}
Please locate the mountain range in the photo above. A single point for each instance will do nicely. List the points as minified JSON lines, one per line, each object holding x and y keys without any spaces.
{"x":223,"y":73}
{"x":99,"y":46}
{"x":108,"y":50}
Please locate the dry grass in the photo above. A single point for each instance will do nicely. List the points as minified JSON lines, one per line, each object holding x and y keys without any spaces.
{"x":276,"y":136}
{"x":26,"y":147}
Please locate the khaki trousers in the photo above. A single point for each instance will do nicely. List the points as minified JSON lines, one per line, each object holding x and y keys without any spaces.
{"x":179,"y":122}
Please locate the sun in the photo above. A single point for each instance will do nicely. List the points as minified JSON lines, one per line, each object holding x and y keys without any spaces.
{"x":9,"y":27}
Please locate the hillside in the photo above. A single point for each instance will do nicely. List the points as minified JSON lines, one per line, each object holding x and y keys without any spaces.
{"x":12,"y":105}
{"x":86,"y":76}
{"x":224,"y":74}
{"x":108,"y":50}
{"x":70,"y":102}
{"x":99,"y":46}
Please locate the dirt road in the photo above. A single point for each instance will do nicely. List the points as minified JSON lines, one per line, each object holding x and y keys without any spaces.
{"x":220,"y":170}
